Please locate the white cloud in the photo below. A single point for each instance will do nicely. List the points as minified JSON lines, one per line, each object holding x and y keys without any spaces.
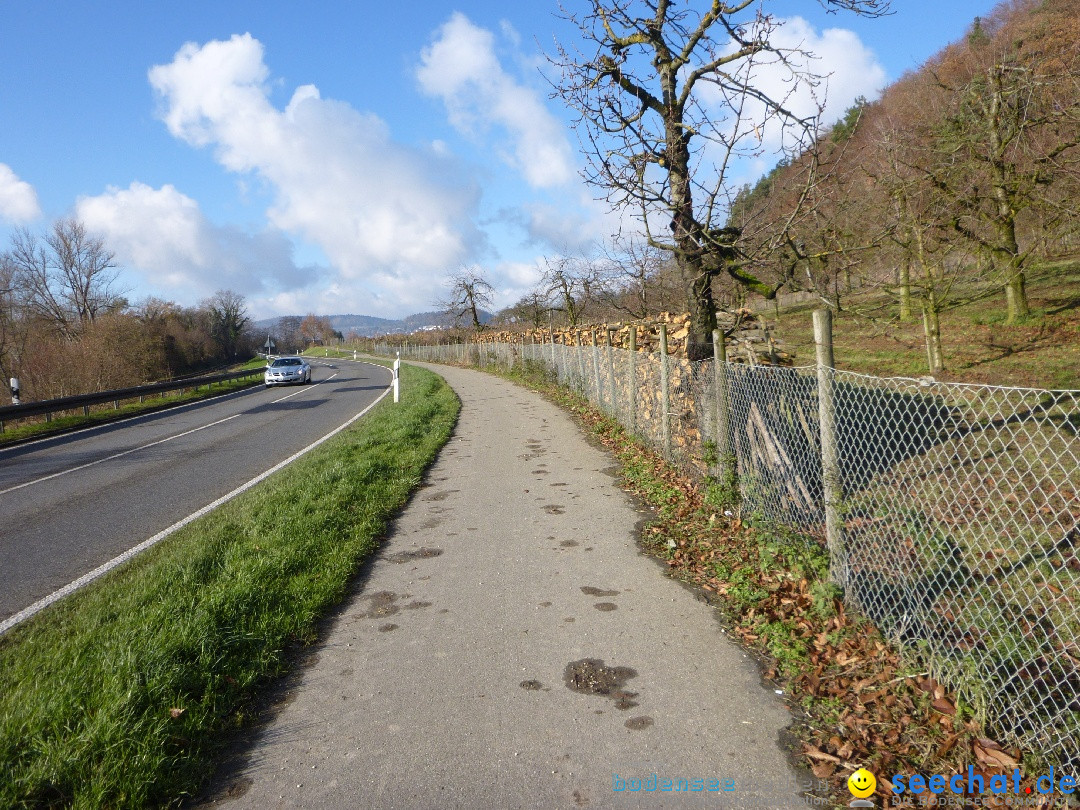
{"x":853,"y":70}
{"x":564,"y":229}
{"x":461,"y":68}
{"x":18,"y":200}
{"x":513,"y":280}
{"x":849,"y":68}
{"x":387,"y":216}
{"x":162,"y":235}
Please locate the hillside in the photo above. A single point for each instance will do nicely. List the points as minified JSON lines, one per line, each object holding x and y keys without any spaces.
{"x":371,"y":326}
{"x":978,"y":346}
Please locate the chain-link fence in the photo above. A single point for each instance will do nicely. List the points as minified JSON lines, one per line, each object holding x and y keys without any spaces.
{"x":955,"y":509}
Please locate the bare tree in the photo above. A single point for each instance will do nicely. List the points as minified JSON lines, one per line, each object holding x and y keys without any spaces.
{"x":287,"y":333}
{"x":1006,"y":140}
{"x":469,"y":293}
{"x":572,"y":282}
{"x":69,"y":279}
{"x":317,"y":329}
{"x":633,"y":278}
{"x":227,"y":312}
{"x":13,"y":331}
{"x":670,"y":99}
{"x":533,"y":308}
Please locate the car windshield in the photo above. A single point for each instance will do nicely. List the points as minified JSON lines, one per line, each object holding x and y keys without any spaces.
{"x":286,"y":361}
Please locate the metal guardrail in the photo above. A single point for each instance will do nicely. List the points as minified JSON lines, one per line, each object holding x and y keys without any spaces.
{"x":48,"y":407}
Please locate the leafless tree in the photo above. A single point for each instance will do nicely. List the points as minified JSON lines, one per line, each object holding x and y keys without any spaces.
{"x":469,"y":293}
{"x":69,"y":278}
{"x":228,"y":316}
{"x":634,"y":280}
{"x":13,"y":331}
{"x":532,"y":308}
{"x":669,"y":100}
{"x":315,"y":328}
{"x":1011,"y":133}
{"x":571,"y":284}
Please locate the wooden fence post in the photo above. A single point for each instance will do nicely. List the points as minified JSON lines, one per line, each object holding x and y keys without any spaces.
{"x":631,"y":390}
{"x":596,"y":370}
{"x":832,"y":484}
{"x":611,"y":373}
{"x":583,"y":390}
{"x":722,"y":398}
{"x":665,"y":395}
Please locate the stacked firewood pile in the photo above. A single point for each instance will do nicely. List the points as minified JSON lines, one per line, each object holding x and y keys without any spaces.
{"x":749,"y":336}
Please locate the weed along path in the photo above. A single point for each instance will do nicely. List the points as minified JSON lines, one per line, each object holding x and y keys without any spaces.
{"x":511,"y":647}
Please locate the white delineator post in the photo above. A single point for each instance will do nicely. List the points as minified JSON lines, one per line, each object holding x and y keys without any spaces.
{"x":397,"y":375}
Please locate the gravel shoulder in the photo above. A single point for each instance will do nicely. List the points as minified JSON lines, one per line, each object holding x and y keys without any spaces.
{"x":511,"y":646}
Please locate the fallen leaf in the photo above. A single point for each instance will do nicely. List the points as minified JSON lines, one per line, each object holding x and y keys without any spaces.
{"x":814,"y":753}
{"x":944,"y":705}
{"x":993,"y":757}
{"x":947,"y":746}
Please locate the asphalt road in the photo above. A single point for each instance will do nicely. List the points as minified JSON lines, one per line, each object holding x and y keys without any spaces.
{"x":72,"y":503}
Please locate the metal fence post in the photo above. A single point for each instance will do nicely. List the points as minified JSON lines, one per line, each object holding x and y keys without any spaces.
{"x":665,"y":395}
{"x":832,"y":483}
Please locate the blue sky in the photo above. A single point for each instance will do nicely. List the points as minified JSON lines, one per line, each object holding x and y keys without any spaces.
{"x":334,"y":157}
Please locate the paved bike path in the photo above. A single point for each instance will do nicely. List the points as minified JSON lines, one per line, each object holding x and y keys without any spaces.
{"x":446,"y":679}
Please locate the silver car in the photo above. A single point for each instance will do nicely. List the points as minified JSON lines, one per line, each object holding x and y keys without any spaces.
{"x":287,"y":370}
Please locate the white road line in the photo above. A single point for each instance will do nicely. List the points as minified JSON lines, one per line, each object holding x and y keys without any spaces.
{"x":145,"y":446}
{"x":303,"y":390}
{"x":85,"y":579}
{"x":115,"y":456}
{"x":132,"y":420}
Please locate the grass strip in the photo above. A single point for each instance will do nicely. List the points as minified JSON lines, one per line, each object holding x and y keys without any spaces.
{"x":123,"y":694}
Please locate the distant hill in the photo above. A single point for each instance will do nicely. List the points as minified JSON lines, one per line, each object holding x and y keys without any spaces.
{"x":370,"y":326}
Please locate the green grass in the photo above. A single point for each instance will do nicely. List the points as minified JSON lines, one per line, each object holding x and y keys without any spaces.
{"x":102,"y":414}
{"x":123,"y":694}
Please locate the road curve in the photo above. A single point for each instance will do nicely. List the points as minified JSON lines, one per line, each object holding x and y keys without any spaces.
{"x":72,"y":503}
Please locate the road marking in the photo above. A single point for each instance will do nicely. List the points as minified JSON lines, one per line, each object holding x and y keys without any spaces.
{"x":115,"y":456}
{"x":131,"y":420}
{"x":303,"y":390}
{"x":85,"y":579}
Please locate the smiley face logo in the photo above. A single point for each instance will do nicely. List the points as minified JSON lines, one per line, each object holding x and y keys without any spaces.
{"x":862,"y":783}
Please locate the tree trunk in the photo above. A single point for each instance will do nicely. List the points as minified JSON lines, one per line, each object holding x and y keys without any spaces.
{"x":1008,"y":247}
{"x":905,"y":292}
{"x":1016,"y":296}
{"x":688,"y":237}
{"x":702,"y":312}
{"x":932,"y":333}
